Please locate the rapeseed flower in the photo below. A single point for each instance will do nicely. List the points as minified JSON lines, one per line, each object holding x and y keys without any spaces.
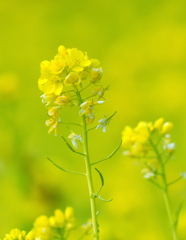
{"x":63,"y":100}
{"x":68,"y":69}
{"x":53,"y":126}
{"x":16,"y":234}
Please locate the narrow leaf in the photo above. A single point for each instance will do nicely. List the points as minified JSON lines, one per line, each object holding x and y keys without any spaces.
{"x":102,"y":199}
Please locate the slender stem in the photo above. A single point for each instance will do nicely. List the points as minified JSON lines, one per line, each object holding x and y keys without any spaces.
{"x":89,"y":175}
{"x":165,"y":192}
{"x":63,"y":169}
{"x":176,"y":180}
{"x":85,"y":87}
{"x":75,"y":124}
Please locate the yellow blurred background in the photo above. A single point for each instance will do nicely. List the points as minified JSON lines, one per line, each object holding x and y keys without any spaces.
{"x":142,"y":48}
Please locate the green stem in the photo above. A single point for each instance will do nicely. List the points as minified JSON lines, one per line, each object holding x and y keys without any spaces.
{"x":165,"y":191}
{"x":89,"y":175}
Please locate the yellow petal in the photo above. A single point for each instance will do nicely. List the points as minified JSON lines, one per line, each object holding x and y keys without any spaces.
{"x":94,"y":62}
{"x":85,"y":63}
{"x":42,"y":80}
{"x":58,"y":88}
{"x":77,"y":69}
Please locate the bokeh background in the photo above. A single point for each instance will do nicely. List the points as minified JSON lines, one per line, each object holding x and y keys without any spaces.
{"x":142,"y":48}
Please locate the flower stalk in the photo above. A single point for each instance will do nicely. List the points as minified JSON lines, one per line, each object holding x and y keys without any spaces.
{"x":89,"y":174}
{"x":165,"y":191}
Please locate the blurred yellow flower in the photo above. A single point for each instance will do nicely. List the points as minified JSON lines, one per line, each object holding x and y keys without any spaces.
{"x":166,"y":128}
{"x":58,"y":220}
{"x":16,"y":234}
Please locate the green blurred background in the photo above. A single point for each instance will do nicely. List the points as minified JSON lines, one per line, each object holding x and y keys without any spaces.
{"x":142,"y":48}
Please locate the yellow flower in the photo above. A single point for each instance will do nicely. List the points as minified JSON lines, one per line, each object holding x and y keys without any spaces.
{"x":87,"y":110}
{"x":96,"y":75}
{"x":159,"y":123}
{"x":48,"y":98}
{"x":139,"y":150}
{"x":76,"y":60}
{"x":166,"y":128}
{"x":30,"y":236}
{"x":52,"y":112}
{"x":72,"y":79}
{"x":62,"y":51}
{"x":69,"y":213}
{"x":57,"y":65}
{"x":128,"y":137}
{"x":63,"y":100}
{"x":142,"y":132}
{"x":86,"y":107}
{"x":51,"y":85}
{"x":54,"y":126}
{"x":58,"y":220}
{"x":87,"y":228}
{"x":15,"y":234}
{"x":42,"y":228}
{"x":69,"y":217}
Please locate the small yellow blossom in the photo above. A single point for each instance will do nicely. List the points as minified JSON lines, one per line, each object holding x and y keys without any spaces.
{"x":166,"y":128}
{"x":87,"y":110}
{"x":52,"y":84}
{"x":16,"y":234}
{"x":52,"y":112}
{"x":54,"y":126}
{"x":139,"y":150}
{"x":96,"y":75}
{"x":42,"y":228}
{"x":57,"y":65}
{"x":69,"y":213}
{"x":48,"y":98}
{"x":72,"y":79}
{"x":58,"y":220}
{"x":76,"y":60}
{"x":158,"y":123}
{"x":87,"y":228}
{"x":63,"y":100}
{"x":62,"y":50}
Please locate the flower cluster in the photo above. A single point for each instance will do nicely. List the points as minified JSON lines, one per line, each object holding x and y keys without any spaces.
{"x":16,"y":234}
{"x":69,"y":68}
{"x":56,"y":226}
{"x":141,"y":142}
{"x":136,"y":141}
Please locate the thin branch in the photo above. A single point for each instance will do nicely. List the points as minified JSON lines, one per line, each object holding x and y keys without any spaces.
{"x":176,"y":180}
{"x":63,"y":169}
{"x":71,"y":148}
{"x":111,"y":155}
{"x":76,"y":124}
{"x":156,"y":184}
{"x":91,"y":129}
{"x":85,"y":87}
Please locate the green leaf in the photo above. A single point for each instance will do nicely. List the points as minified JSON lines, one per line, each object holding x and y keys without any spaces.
{"x":101,"y":176}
